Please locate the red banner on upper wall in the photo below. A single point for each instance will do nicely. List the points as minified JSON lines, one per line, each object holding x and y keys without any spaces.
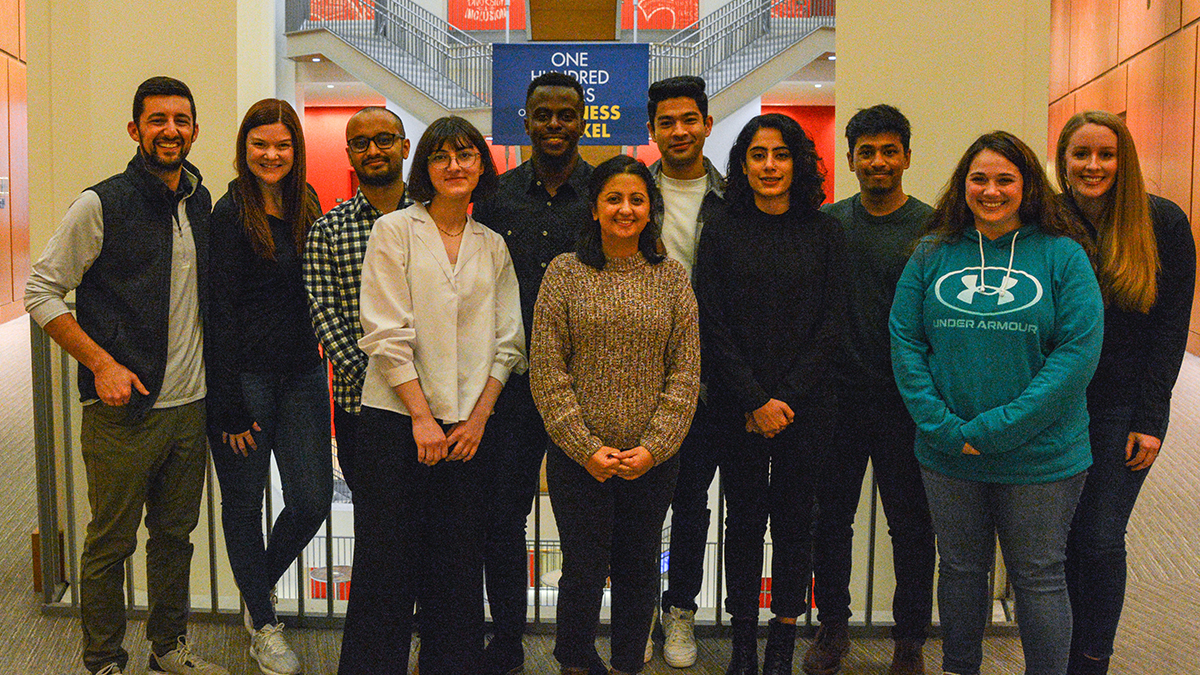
{"x":485,"y":14}
{"x":652,"y":14}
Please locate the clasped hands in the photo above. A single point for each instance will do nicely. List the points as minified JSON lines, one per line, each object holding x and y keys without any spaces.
{"x":434,"y":444}
{"x":628,"y":464}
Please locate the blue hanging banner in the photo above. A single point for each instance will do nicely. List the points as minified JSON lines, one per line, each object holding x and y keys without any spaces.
{"x":614,"y":76}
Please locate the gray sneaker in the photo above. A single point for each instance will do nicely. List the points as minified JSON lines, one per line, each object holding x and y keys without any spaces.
{"x":272,"y":652}
{"x":679,"y":643}
{"x":181,"y":661}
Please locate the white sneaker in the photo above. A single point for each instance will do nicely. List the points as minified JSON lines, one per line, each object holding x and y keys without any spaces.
{"x":679,"y":644}
{"x":649,"y":654}
{"x":272,"y":652}
{"x":181,"y":661}
{"x":110,"y":669}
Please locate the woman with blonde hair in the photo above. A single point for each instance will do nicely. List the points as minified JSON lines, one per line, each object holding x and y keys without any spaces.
{"x":267,"y":389}
{"x":1146,"y":267}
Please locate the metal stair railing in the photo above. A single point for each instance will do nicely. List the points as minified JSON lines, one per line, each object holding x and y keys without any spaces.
{"x":748,"y":31}
{"x":450,"y":65}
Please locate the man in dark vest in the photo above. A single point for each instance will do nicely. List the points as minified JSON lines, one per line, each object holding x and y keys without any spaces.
{"x":134,"y":248}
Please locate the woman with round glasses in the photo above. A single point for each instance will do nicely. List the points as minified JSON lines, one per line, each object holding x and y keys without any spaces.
{"x":442,"y":330}
{"x":1146,"y":262}
{"x":267,"y":390}
{"x":996,"y":329}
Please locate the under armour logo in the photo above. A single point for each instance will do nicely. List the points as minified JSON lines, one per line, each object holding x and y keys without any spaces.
{"x":974,"y":287}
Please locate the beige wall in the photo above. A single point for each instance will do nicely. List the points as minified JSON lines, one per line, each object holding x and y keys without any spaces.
{"x":1138,"y":61}
{"x":956,"y":69}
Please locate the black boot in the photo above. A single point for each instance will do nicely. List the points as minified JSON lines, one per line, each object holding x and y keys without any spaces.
{"x":781,"y":644}
{"x":744,"y":660}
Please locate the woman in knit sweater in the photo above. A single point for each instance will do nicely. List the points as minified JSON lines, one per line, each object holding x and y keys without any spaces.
{"x":615,"y":372}
{"x":1146,"y":262}
{"x":769,"y":281}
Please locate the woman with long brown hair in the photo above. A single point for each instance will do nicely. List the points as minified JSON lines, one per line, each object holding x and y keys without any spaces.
{"x":1146,"y":267}
{"x":267,"y":389}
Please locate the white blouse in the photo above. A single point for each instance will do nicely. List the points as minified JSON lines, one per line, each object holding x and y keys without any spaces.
{"x":449,"y":326}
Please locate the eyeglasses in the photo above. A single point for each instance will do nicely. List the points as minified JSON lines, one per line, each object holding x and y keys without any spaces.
{"x":383,"y":141}
{"x":465,"y":158}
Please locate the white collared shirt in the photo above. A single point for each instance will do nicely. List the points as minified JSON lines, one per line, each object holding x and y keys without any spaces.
{"x":448,"y":326}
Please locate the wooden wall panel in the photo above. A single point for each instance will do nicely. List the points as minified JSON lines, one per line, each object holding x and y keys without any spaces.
{"x":1190,"y":10}
{"x":1093,"y":39}
{"x":6,"y":283}
{"x":1106,"y":93}
{"x":24,"y":38}
{"x":10,"y":27}
{"x":1144,"y":22}
{"x":1060,"y":48}
{"x":18,"y":125}
{"x":1179,"y":119}
{"x":1144,"y":112}
{"x":1194,"y":339}
{"x":1060,"y":112}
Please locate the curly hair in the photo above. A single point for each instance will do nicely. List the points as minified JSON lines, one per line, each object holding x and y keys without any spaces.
{"x":808,"y":176}
{"x":952,"y":217}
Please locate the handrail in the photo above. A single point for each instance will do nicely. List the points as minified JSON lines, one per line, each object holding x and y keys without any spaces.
{"x":448,"y":64}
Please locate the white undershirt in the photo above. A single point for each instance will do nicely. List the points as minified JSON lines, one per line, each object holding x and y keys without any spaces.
{"x":680,"y":231}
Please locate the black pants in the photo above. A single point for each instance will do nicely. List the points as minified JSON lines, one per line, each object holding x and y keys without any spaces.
{"x":690,"y":515}
{"x":345,"y":424}
{"x":611,"y":529}
{"x":770,"y":479}
{"x":876,"y":426}
{"x":519,"y":443}
{"x":419,"y":537}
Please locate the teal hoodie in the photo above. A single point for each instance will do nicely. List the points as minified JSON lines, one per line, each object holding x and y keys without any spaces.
{"x":1003,"y":364}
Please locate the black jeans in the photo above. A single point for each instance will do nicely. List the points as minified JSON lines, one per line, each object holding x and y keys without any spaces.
{"x":770,"y":479}
{"x":877,"y":426}
{"x":519,"y":442}
{"x":690,"y":515}
{"x":611,"y":529}
{"x":419,"y":537}
{"x":345,"y":424}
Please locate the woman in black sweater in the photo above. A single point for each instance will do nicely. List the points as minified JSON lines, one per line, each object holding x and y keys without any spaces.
{"x":1146,"y":264}
{"x":768,"y":281}
{"x":267,"y":387}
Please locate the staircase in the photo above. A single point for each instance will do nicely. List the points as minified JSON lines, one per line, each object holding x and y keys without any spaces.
{"x":411,"y":56}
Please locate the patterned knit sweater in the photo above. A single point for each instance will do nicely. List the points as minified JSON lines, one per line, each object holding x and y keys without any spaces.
{"x":615,"y":355}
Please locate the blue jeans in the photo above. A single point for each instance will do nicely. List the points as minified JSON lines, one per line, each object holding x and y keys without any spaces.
{"x":1096,"y":547}
{"x":1032,"y":522}
{"x":293,"y":411}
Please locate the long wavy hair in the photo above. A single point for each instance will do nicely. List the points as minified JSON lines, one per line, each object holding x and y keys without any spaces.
{"x":300,"y":205}
{"x":806,"y":193}
{"x":1127,"y":251}
{"x":590,"y":247}
{"x":1039,"y":206}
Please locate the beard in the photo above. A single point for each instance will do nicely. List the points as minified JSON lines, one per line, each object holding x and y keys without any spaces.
{"x":382,"y":179}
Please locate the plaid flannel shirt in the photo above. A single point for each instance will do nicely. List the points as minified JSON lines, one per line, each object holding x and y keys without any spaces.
{"x":333,"y":260}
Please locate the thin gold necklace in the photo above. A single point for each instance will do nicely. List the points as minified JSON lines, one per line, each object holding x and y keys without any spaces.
{"x":450,"y":234}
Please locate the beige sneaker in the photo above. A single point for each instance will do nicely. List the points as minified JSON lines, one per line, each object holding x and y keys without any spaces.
{"x":181,"y":661}
{"x":110,"y":669}
{"x":649,"y":654}
{"x":272,"y":652}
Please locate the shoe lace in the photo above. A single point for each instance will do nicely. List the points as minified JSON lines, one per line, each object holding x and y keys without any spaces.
{"x":110,"y":669}
{"x":271,"y":638}
{"x":675,"y":628}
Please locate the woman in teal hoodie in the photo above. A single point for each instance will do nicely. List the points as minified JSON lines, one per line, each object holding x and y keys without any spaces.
{"x":996,"y":330}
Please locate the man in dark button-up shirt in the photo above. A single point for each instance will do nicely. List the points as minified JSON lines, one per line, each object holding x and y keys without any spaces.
{"x":539,"y":209}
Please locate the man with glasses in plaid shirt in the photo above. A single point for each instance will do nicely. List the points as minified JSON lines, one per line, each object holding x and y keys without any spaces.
{"x":333,"y":259}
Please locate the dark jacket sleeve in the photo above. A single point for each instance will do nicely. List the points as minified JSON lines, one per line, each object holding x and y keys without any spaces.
{"x":1168,"y":318}
{"x":729,"y":367}
{"x":808,"y":374}
{"x":229,"y":260}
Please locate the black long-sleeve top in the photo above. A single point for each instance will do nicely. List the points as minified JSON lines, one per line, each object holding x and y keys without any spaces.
{"x":771,"y":295}
{"x":1140,"y":359}
{"x":258,"y":320}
